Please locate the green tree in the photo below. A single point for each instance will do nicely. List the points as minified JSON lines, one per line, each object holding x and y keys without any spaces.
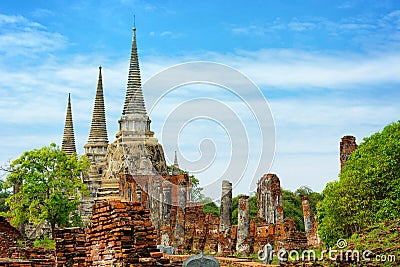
{"x":368,"y":189}
{"x":209,"y":206}
{"x":50,"y":187}
{"x":197,"y":190}
{"x":4,"y":194}
{"x":292,"y":208}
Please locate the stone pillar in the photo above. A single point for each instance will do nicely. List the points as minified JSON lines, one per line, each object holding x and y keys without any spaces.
{"x":156,"y":203}
{"x":179,"y":235}
{"x":347,"y":146}
{"x":225,"y":218}
{"x":306,"y":213}
{"x":226,"y":206}
{"x":166,"y":231}
{"x":167,"y":199}
{"x":243,"y":231}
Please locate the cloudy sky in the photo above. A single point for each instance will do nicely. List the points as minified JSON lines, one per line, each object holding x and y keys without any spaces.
{"x":326,"y":69}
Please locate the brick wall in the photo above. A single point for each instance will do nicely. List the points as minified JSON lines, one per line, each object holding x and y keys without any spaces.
{"x":120,"y":232}
{"x":10,"y":249}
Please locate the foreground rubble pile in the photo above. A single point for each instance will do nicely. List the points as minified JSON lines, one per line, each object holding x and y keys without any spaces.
{"x":12,"y":247}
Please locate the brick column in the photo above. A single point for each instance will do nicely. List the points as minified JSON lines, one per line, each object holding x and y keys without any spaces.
{"x":179,"y":235}
{"x":306,"y":213}
{"x":166,"y":229}
{"x":156,"y":203}
{"x":243,"y":232}
{"x":225,"y":219}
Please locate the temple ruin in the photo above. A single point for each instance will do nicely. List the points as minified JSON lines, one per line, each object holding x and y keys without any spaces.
{"x":347,"y":146}
{"x":135,"y":203}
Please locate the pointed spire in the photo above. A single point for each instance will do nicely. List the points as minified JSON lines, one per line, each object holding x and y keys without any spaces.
{"x":175,"y":169}
{"x":134,"y":102}
{"x":98,"y":128}
{"x":68,"y":142}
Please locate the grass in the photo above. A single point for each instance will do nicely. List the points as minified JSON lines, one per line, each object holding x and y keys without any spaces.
{"x":44,"y":243}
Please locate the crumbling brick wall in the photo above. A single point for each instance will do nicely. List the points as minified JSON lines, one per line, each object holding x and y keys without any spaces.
{"x":269,"y":199}
{"x":120,"y":232}
{"x":11,"y":249}
{"x":70,"y":246}
{"x":201,"y":230}
{"x":262,"y":233}
{"x":313,"y":239}
{"x":288,"y":237}
{"x":9,"y":237}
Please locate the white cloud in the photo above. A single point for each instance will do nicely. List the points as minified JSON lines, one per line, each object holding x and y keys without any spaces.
{"x":299,"y":26}
{"x":367,"y":32}
{"x":20,"y":36}
{"x":11,"y":19}
{"x":166,"y":34}
{"x":290,"y":69}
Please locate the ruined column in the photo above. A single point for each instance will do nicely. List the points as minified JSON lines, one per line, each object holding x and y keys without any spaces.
{"x":155,"y":203}
{"x":226,"y":206}
{"x":166,"y":230}
{"x":179,"y":235}
{"x":306,"y":213}
{"x":225,"y":218}
{"x":243,"y":231}
{"x":347,"y":146}
{"x":167,"y":199}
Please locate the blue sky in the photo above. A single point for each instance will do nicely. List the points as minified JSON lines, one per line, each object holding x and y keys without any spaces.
{"x":326,"y":68}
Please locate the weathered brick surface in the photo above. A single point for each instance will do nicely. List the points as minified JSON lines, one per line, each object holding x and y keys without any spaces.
{"x":261,"y":233}
{"x":8,"y":238}
{"x":313,"y":239}
{"x":120,"y":233}
{"x":288,"y":237}
{"x":201,"y":230}
{"x":243,"y":243}
{"x":10,"y":249}
{"x":347,"y":146}
{"x":70,"y":247}
{"x":269,"y":199}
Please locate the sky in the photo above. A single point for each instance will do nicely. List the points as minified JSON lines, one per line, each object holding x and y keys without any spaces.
{"x":325,"y":69}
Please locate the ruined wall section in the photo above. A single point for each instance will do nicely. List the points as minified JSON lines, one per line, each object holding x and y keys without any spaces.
{"x":70,"y":246}
{"x":9,"y":236}
{"x":201,"y":230}
{"x":121,"y":233}
{"x":269,"y":199}
{"x":310,"y":224}
{"x":347,"y":146}
{"x":17,"y":255}
{"x":161,"y":196}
